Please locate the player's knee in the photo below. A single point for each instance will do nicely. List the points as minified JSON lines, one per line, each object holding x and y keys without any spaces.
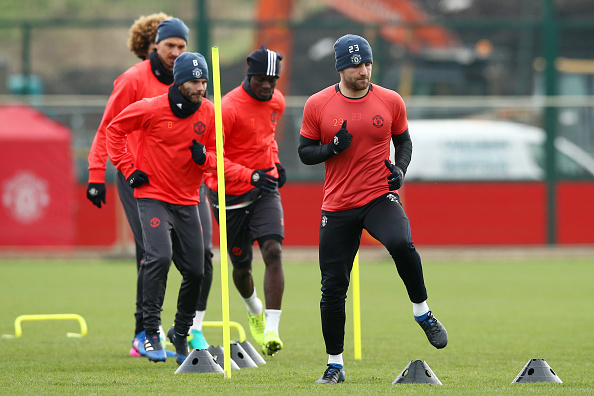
{"x":334,"y":289}
{"x":242,"y":272}
{"x":195,"y":273}
{"x":161,"y":259}
{"x":398,"y":245}
{"x":271,"y":251}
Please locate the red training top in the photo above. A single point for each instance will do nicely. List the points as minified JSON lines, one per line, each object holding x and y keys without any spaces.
{"x":163,"y":148}
{"x":249,"y":125}
{"x":358,"y":175}
{"x":138,"y":82}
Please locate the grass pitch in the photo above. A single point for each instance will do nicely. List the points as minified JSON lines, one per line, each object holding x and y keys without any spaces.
{"x":499,"y":314}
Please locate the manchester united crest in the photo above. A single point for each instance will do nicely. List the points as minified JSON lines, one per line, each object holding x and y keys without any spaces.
{"x":26,"y":197}
{"x":199,"y":128}
{"x":378,"y":121}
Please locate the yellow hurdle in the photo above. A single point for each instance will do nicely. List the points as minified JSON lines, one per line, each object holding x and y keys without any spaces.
{"x":18,"y":330}
{"x":218,"y":323}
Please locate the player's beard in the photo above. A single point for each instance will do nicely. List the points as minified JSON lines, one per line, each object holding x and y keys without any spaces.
{"x":190,"y":95}
{"x":357,"y":84}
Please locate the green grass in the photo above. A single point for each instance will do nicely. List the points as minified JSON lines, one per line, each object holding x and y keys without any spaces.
{"x":499,"y":314}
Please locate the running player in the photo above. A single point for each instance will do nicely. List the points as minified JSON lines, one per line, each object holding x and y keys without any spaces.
{"x":349,"y":126}
{"x":166,"y":179}
{"x":147,"y":79}
{"x":254,"y":212}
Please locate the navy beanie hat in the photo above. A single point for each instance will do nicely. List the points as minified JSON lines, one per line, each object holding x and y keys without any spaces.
{"x":172,"y":27}
{"x":264,"y":62}
{"x":189,"y":66}
{"x":351,"y":50}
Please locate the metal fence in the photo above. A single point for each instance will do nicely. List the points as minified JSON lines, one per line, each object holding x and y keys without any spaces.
{"x":575,"y":122}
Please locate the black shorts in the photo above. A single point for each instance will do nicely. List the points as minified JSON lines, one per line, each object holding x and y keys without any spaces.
{"x":260,"y":220}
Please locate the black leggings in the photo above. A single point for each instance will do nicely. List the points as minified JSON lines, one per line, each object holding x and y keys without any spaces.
{"x":340,"y":236}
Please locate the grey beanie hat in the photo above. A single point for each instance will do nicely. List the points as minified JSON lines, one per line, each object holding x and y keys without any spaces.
{"x":172,"y":27}
{"x":189,"y":66}
{"x":351,"y":50}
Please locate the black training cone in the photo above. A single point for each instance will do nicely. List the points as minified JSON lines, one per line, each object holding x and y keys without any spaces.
{"x":199,"y":361}
{"x":537,"y":370}
{"x":256,"y":357}
{"x":417,"y":372}
{"x":241,"y":357}
{"x":219,"y":354}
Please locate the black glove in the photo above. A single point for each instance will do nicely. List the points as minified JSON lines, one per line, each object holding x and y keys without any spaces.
{"x":263,"y":180}
{"x":282,"y":175}
{"x":342,"y":139}
{"x":396,"y":177}
{"x":198,"y":152}
{"x":137,"y":179}
{"x":96,"y":193}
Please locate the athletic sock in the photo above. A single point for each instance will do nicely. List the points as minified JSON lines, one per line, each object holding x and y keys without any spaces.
{"x":272,"y":319}
{"x":336,"y":359}
{"x":254,"y":306}
{"x":198,"y":319}
{"x":420,"y":309}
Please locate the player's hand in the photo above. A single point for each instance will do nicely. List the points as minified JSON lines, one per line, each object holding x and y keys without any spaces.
{"x":282,"y":175}
{"x":396,"y":177}
{"x":198,"y":152}
{"x":266,"y":182}
{"x":342,"y":139}
{"x":137,"y":179}
{"x":96,"y":193}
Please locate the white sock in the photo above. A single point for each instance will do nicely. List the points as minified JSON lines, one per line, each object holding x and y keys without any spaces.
{"x":272,"y":319}
{"x":420,"y":309}
{"x":198,"y":319}
{"x":335,"y":359}
{"x":254,"y":306}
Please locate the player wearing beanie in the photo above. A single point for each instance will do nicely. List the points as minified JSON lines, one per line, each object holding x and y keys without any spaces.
{"x":254,"y":212}
{"x":166,"y":177}
{"x":349,"y":127}
{"x":146,"y":79}
{"x":143,"y":33}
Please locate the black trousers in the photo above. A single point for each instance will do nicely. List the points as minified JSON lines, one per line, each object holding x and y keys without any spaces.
{"x":340,"y":237}
{"x":126,"y":194}
{"x":171,"y":232}
{"x":206,"y":221}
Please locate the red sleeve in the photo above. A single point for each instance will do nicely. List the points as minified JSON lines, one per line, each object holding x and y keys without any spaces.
{"x":309,"y":125}
{"x":275,"y":152}
{"x":124,"y":93}
{"x":211,"y":150}
{"x":233,"y":171}
{"x":132,"y":118}
{"x":400,"y":123}
{"x":274,"y":142}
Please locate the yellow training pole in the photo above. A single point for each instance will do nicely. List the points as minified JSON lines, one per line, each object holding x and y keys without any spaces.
{"x":216,"y":81}
{"x":356,"y":307}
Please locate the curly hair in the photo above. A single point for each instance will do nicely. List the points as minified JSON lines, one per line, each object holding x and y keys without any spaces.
{"x":143,"y":32}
